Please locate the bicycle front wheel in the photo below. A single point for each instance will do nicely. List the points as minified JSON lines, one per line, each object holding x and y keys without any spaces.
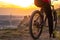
{"x":35,"y":24}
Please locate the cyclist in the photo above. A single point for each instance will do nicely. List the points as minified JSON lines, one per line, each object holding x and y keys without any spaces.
{"x":46,"y":5}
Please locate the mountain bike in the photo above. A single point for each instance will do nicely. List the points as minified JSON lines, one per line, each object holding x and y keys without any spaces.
{"x":38,"y":20}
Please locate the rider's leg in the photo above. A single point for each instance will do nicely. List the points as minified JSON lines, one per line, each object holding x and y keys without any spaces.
{"x":48,"y":12}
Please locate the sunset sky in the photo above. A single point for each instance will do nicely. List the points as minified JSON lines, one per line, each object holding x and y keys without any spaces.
{"x":20,"y":7}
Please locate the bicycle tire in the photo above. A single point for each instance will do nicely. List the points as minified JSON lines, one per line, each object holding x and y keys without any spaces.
{"x":30,"y":27}
{"x":54,"y":19}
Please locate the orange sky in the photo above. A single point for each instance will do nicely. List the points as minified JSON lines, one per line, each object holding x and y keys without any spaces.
{"x":8,"y":8}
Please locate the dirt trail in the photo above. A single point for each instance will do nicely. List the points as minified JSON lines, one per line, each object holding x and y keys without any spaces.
{"x":22,"y":33}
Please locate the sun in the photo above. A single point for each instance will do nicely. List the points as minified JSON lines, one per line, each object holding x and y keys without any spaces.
{"x":25,"y":3}
{"x":22,"y":3}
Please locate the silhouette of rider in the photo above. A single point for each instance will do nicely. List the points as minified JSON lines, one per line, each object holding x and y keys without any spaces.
{"x":46,"y":5}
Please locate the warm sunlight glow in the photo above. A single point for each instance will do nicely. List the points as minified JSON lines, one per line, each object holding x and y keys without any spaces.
{"x":22,"y":3}
{"x":25,"y":3}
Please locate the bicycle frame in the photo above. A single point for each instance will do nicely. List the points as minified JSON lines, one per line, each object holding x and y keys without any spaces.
{"x":39,"y":25}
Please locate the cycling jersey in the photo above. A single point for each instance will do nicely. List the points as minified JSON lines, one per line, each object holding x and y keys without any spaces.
{"x":39,"y":3}
{"x":47,"y":1}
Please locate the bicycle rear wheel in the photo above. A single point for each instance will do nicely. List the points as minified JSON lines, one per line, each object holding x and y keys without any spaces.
{"x":54,"y":15}
{"x":54,"y":19}
{"x":35,"y":27}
